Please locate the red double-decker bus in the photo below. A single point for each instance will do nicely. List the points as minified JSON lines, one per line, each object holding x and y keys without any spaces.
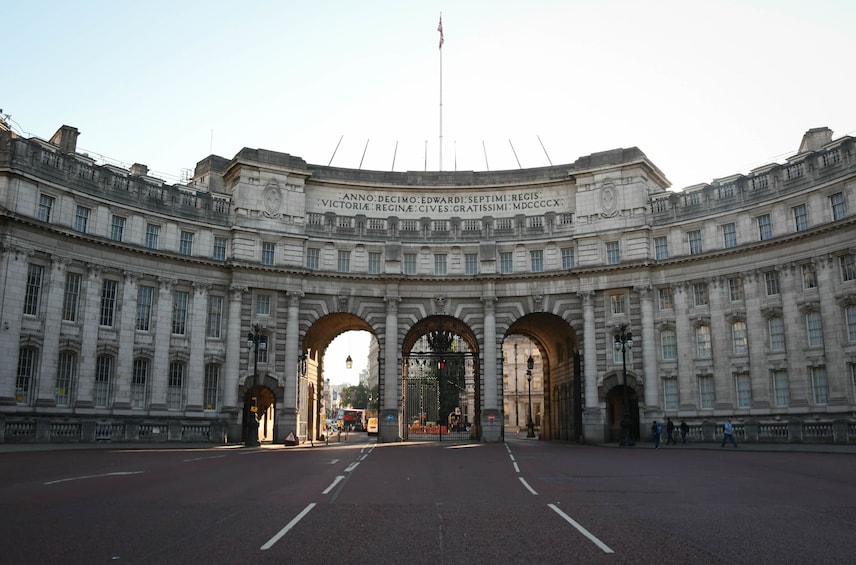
{"x":352,"y":420}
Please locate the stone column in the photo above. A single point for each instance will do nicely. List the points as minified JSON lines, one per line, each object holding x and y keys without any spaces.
{"x":721,"y":348}
{"x":589,"y":349}
{"x":291,"y":379}
{"x":90,"y":307}
{"x":231,"y":378}
{"x":390,"y":407}
{"x":13,"y":270}
{"x":198,"y":310}
{"x":832,"y":320}
{"x":127,"y":314}
{"x":163,"y":330}
{"x":52,"y":314}
{"x":649,"y":348}
{"x":685,"y":336}
{"x":492,"y":418}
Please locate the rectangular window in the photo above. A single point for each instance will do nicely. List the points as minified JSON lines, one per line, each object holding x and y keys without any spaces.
{"x":343,"y":262}
{"x":739,"y":338}
{"x":268,"y":252}
{"x":211,"y":390}
{"x":670,"y":394}
{"x":263,"y":305}
{"x":313,"y":258}
{"x":700,"y":294}
{"x":180,"y":302}
{"x":814,"y":329}
{"x":776,"y":327}
{"x":33,"y":291}
{"x":666,"y":298}
{"x":613,"y":253}
{"x":850,"y":320}
{"x":81,"y":219}
{"x":668,"y":345}
{"x":263,"y":349}
{"x":848,"y":267}
{"x":409,"y":225}
{"x":66,"y":377}
{"x":145,"y":300}
{"x":185,"y":243}
{"x":214,"y":317}
{"x":819,"y":386}
{"x":439,"y":225}
{"x":103,"y":378}
{"x":71,"y":297}
{"x":471,"y":263}
{"x":795,"y":171}
{"x":139,"y":379}
{"x":771,"y":282}
{"x":703,"y":342}
{"x":781,"y":387}
{"x":536,"y":260}
{"x":219,"y":249}
{"x":472,"y":225}
{"x":376,"y":224}
{"x":440,"y":264}
{"x":27,"y":368}
{"x":661,"y":248}
{"x":375,"y":263}
{"x":503,"y":224}
{"x":800,"y":217}
{"x":729,"y":235}
{"x":765,"y":227}
{"x":809,"y":276}
{"x":706,"y":392}
{"x":735,"y":289}
{"x":408,"y":265}
{"x":46,"y":204}
{"x":695,"y":241}
{"x":568,"y":259}
{"x":617,"y":302}
{"x":743,"y":386}
{"x":117,"y":228}
{"x":152,"y":234}
{"x":175,"y":386}
{"x":109,"y":291}
{"x":506,"y":262}
{"x":839,"y":210}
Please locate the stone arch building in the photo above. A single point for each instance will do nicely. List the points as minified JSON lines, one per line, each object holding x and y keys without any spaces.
{"x":126,"y":302}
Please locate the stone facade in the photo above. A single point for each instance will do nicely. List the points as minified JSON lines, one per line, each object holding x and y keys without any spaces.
{"x":126,"y":302}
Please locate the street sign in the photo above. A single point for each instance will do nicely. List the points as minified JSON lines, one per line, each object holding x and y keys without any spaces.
{"x":491,"y":418}
{"x":254,"y":408}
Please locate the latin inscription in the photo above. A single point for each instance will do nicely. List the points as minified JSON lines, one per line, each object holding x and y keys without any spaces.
{"x":428,"y":204}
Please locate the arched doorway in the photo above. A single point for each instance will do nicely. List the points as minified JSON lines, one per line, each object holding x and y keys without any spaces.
{"x":260,"y":421}
{"x":615,"y":412}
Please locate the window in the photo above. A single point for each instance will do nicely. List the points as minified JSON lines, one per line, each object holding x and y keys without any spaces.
{"x":33,"y":291}
{"x":472,"y":225}
{"x":839,"y":210}
{"x":214,"y":317}
{"x":735,"y":289}
{"x":180,"y":299}
{"x":439,"y":263}
{"x":661,"y":247}
{"x":175,"y":386}
{"x":739,"y":339}
{"x":702,"y":334}
{"x":46,"y":204}
{"x":781,"y":387}
{"x":66,"y":378}
{"x":568,"y":259}
{"x":117,"y":228}
{"x":138,"y":383}
{"x":71,"y":297}
{"x":219,"y":249}
{"x":408,"y":265}
{"x":471,"y":263}
{"x":795,"y":171}
{"x":145,"y":299}
{"x":536,"y":221}
{"x":776,"y":328}
{"x":850,"y":319}
{"x":506,"y":262}
{"x":765,"y":227}
{"x":771,"y":282}
{"x":809,"y":276}
{"x":185,"y":243}
{"x":343,"y":264}
{"x":729,"y":235}
{"x":706,"y":393}
{"x":668,"y":345}
{"x":670,"y":394}
{"x":800,"y":217}
{"x":613,"y":253}
{"x":152,"y":234}
{"x":109,"y":289}
{"x":848,"y":267}
{"x":268,"y":252}
{"x":761,"y":181}
{"x":375,"y":262}
{"x":409,"y":225}
{"x":700,"y":294}
{"x":505,"y":223}
{"x":439,"y":225}
{"x":819,"y":385}
{"x":376,"y":224}
{"x":263,"y":305}
{"x":743,"y":387}
{"x":831,"y":157}
{"x":211,"y":389}
{"x":814,"y":329}
{"x":28,"y":358}
{"x":103,"y":379}
{"x":262,"y":351}
{"x":666,"y":298}
{"x":81,"y":219}
{"x":617,"y":302}
{"x":536,"y":260}
{"x":313,"y":256}
{"x":695,"y":242}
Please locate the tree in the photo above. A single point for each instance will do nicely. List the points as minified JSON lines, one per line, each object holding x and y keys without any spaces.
{"x":355,"y":397}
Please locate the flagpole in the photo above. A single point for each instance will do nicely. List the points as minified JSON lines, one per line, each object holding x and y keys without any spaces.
{"x":440,"y":29}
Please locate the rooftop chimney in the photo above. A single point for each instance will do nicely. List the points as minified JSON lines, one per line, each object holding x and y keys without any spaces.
{"x":66,"y":139}
{"x":139,"y":170}
{"x":815,"y":138}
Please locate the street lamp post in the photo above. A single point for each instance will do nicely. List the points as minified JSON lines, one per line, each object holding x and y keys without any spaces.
{"x":623,"y":342}
{"x":255,"y":342}
{"x":530,"y":425}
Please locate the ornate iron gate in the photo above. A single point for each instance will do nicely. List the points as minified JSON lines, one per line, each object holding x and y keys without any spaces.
{"x":439,"y":396}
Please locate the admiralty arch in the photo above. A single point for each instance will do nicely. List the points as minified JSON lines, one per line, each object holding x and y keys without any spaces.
{"x":132,"y":309}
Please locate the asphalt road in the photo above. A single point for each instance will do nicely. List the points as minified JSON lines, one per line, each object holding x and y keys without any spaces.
{"x":359,"y":502}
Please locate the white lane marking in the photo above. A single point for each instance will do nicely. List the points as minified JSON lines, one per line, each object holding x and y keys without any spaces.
{"x":532,"y":490}
{"x":333,"y":461}
{"x":269,"y":544}
{"x":511,"y":456}
{"x":115,"y":474}
{"x":351,"y":467}
{"x":363,"y":457}
{"x":204,"y":458}
{"x":516,"y":468}
{"x":333,"y":485}
{"x":605,"y":548}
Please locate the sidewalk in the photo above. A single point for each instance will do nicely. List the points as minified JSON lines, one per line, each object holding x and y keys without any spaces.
{"x":775,"y":447}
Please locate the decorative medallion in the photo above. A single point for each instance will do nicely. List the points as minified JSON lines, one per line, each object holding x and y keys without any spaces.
{"x":272,"y":197}
{"x":608,"y":200}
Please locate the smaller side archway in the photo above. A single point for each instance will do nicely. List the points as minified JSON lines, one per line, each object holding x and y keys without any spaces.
{"x":613,"y":389}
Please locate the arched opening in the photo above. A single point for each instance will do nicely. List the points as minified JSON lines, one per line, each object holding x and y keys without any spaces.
{"x":259,"y":423}
{"x":615,"y":411}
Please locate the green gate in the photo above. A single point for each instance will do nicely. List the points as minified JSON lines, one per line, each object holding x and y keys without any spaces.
{"x":440,"y":401}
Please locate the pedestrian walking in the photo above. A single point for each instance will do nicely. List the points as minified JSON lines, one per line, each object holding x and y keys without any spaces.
{"x":670,"y":432}
{"x":685,"y":429}
{"x":656,"y":430}
{"x":728,"y":433}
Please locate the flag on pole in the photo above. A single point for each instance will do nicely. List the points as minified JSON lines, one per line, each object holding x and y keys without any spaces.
{"x":440,"y":29}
